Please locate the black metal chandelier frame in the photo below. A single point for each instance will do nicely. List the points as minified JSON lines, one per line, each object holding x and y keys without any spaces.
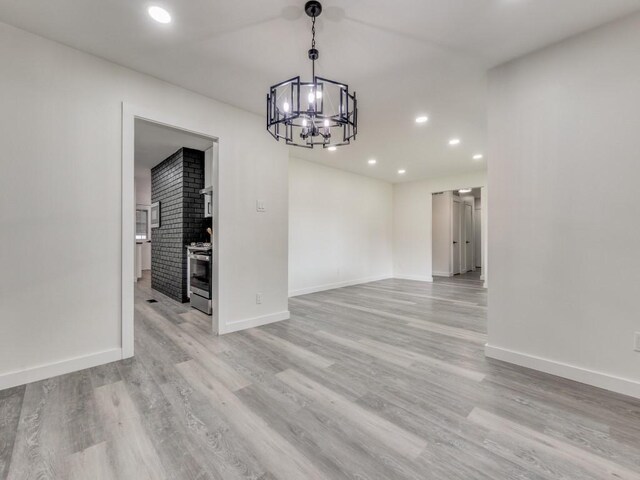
{"x":312,"y":126}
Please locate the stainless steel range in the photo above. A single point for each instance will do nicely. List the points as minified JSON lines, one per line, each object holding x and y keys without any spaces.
{"x":199,"y":275}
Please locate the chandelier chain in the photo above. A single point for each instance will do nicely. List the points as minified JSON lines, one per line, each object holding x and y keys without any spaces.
{"x":313,"y":46}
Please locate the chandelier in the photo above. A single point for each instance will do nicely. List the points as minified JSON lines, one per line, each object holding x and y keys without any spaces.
{"x":320,"y":112}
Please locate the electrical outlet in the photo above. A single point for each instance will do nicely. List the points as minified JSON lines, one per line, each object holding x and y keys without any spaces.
{"x":258,"y":298}
{"x":636,"y":343}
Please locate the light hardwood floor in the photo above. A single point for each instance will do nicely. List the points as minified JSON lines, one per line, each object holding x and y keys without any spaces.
{"x":379,"y":381}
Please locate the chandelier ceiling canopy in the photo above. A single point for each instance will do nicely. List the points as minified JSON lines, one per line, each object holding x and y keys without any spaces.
{"x":308,"y":114}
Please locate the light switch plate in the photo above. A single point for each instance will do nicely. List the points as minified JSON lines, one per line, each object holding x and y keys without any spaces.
{"x":258,"y":298}
{"x":636,"y":343}
{"x":260,"y":206}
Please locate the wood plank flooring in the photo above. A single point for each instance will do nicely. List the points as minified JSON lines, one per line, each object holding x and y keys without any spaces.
{"x":380,"y":381}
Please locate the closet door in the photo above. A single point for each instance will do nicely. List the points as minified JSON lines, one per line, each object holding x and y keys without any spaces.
{"x":456,"y":222}
{"x":468,"y":238}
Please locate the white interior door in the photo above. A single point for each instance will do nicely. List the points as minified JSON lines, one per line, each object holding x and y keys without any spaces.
{"x":477,"y":238}
{"x":468,"y":238}
{"x":455,"y":235}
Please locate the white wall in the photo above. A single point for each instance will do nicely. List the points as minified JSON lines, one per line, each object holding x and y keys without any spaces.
{"x":143,"y":197}
{"x":565,"y":274}
{"x":412,"y":222}
{"x":60,"y":256}
{"x":340,"y":228}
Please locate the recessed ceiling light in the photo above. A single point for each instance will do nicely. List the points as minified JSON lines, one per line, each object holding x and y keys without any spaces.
{"x":159,"y":14}
{"x":402,"y":171}
{"x":478,"y":156}
{"x":332,"y":149}
{"x":454,"y":141}
{"x":422,"y":119}
{"x":373,"y":161}
{"x":464,"y":190}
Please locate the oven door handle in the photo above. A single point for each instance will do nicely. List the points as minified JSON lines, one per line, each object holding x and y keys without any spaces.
{"x":206,"y":258}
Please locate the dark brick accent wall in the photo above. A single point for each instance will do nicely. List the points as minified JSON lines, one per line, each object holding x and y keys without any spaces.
{"x":176,"y":183}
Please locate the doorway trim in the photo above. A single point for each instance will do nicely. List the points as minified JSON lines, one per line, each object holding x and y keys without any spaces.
{"x":129,"y":115}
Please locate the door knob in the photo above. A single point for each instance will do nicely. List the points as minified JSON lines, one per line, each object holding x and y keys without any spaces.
{"x":468,"y":241}
{"x":454,"y":242}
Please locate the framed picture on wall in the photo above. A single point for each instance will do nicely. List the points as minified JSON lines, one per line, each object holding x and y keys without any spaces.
{"x":155,"y":215}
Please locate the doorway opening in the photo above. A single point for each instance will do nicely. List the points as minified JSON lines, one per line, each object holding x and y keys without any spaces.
{"x":170,"y":220}
{"x":458,"y":237}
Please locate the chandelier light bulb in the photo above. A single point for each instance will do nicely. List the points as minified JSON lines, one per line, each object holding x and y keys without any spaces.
{"x":304,"y":122}
{"x":286,"y":107}
{"x":326,"y":122}
{"x":318,"y":94}
{"x":311,"y":97}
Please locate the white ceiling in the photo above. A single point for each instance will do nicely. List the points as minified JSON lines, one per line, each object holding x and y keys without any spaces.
{"x":403,"y":59}
{"x":154,"y":143}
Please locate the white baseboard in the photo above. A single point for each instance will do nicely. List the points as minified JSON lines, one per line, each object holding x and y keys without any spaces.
{"x":42,"y":372}
{"x":253,"y":322}
{"x":442,"y":274}
{"x":331,"y":286}
{"x":417,"y":278}
{"x":624,"y":386}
